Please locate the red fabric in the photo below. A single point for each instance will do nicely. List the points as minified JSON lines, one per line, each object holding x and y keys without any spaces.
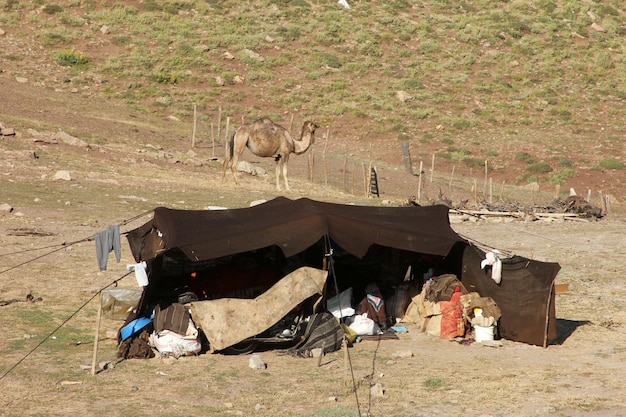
{"x":451,"y":312}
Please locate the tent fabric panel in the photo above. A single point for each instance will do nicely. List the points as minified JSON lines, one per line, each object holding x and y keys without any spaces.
{"x":295,"y":225}
{"x":228,"y":321}
{"x":524,"y":295}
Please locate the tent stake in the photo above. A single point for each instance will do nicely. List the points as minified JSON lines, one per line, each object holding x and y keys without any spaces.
{"x":95,"y":340}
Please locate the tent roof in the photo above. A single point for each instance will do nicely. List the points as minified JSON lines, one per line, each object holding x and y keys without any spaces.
{"x":293,"y":225}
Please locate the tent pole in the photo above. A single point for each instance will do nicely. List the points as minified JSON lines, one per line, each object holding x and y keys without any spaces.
{"x":95,"y":341}
{"x":545,"y":335}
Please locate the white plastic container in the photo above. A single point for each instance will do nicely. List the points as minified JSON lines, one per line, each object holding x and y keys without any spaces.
{"x":484,"y":333}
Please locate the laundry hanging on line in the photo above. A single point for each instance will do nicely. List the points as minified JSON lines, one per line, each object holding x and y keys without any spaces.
{"x":108,"y":241}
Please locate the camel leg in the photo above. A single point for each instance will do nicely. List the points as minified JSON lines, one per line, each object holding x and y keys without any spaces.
{"x":279,"y":164}
{"x":285,"y":176}
{"x":233,"y":166}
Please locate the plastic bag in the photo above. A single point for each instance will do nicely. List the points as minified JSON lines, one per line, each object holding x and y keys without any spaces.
{"x":364,"y":326}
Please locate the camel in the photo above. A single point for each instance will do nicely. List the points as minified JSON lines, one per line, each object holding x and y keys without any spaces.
{"x":265,"y":138}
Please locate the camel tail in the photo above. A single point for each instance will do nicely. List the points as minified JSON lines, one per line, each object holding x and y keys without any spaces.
{"x":230,"y":146}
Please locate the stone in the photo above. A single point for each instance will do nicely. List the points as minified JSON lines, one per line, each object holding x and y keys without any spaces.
{"x":254,"y":55}
{"x":403,"y":354}
{"x":256,"y":362}
{"x":403,"y":96}
{"x":377,"y":390}
{"x":62,"y":175}
{"x":7,"y":131}
{"x":6,"y":208}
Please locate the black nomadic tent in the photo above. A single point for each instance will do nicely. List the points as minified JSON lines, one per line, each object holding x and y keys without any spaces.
{"x":199,"y":250}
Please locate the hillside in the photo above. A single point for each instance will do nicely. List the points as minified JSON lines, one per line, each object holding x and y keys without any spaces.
{"x":535,"y":89}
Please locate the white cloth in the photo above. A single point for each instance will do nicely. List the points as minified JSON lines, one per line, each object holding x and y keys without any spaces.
{"x":140,"y":272}
{"x":493,"y":258}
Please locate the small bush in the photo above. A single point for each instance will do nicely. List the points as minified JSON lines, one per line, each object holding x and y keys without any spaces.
{"x":539,"y":168}
{"x":52,"y":9}
{"x":433,"y":383}
{"x":525,"y":157}
{"x":561,"y":177}
{"x":611,"y":163}
{"x":164,"y":77}
{"x":70,"y":57}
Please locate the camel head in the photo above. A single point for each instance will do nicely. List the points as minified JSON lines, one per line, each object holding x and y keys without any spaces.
{"x":309,"y":128}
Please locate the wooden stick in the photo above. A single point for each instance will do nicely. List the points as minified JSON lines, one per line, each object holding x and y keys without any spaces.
{"x":502,"y":189}
{"x":319,"y":359}
{"x":97,"y":336}
{"x":353,"y":169}
{"x":419,"y":183}
{"x":364,"y":177}
{"x":193,"y":133}
{"x":345,"y":161}
{"x":311,"y":165}
{"x":291,"y":124}
{"x":324,"y":156}
{"x":545,"y":335}
{"x":485,"y":186}
{"x":227,"y":127}
{"x":451,"y":176}
{"x":219,"y":124}
{"x":213,"y":140}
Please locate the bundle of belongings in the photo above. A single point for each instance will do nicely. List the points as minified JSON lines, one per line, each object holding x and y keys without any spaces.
{"x":370,"y":317}
{"x":170,"y":331}
{"x":444,"y":308}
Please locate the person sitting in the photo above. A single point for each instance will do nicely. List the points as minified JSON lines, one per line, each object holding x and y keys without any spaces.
{"x":374,"y":305}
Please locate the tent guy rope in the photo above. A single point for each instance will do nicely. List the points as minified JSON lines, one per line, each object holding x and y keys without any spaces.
{"x":64,"y":245}
{"x":114,"y":282}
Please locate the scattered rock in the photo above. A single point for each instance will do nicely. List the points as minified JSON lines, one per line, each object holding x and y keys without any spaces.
{"x":7,"y":131}
{"x":6,"y":208}
{"x":598,"y":28}
{"x":403,"y":354}
{"x":403,"y":96}
{"x":259,"y":407}
{"x":254,"y":55}
{"x":377,"y":390}
{"x":238,"y":79}
{"x":256,"y":362}
{"x":2,"y":32}
{"x":62,"y":175}
{"x":594,"y":17}
{"x":202,"y":48}
{"x":21,"y":80}
{"x":69,"y":139}
{"x":247,"y":167}
{"x":228,"y":55}
{"x":105,"y":30}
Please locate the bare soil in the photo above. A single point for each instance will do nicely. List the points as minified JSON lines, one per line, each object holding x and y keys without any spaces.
{"x":47,"y":345}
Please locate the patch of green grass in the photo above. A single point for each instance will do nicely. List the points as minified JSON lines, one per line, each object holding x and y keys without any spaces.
{"x":539,"y":168}
{"x":52,"y":9}
{"x":525,"y":157}
{"x":433,"y":383}
{"x":561,"y":177}
{"x":611,"y":163}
